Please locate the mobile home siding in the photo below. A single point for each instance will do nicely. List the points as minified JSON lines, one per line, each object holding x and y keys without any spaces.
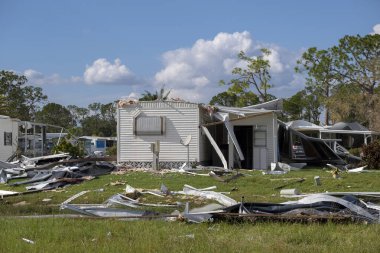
{"x":181,"y":120}
{"x":8,"y":125}
{"x":270,"y":121}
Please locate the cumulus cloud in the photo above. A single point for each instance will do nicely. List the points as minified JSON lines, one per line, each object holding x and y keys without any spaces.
{"x":376,"y":29}
{"x":101,"y":71}
{"x":37,"y":78}
{"x":194,"y":73}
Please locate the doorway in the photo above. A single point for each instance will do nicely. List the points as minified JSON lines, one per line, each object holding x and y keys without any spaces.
{"x":244,"y":136}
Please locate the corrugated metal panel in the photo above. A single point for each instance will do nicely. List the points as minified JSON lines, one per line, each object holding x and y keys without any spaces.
{"x":182,"y":119}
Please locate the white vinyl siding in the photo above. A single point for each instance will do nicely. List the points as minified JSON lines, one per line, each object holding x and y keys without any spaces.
{"x":181,"y":120}
{"x":259,"y":122}
{"x":8,"y":137}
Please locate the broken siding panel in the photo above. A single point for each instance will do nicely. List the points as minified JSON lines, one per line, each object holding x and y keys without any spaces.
{"x":181,"y":121}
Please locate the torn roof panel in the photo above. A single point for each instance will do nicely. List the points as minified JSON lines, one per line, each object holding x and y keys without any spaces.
{"x":275,"y":105}
{"x":303,"y":125}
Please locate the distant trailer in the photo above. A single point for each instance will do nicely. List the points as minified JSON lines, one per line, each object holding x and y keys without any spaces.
{"x":97,"y":145}
{"x":8,"y":137}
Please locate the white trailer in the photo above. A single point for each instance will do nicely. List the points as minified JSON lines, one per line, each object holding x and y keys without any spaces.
{"x":8,"y":137}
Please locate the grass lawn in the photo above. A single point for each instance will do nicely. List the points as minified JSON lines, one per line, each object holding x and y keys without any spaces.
{"x":110,"y":235}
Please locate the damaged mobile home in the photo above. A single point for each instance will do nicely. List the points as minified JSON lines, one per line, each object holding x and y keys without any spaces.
{"x":178,"y":132}
{"x":26,"y":138}
{"x":171,"y":133}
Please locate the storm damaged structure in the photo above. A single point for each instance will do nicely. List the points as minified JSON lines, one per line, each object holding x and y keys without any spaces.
{"x":180,"y":131}
{"x":25,"y":138}
{"x":302,"y":141}
{"x":296,"y":146}
{"x":176,"y":132}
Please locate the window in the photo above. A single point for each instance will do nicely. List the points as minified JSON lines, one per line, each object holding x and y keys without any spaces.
{"x":7,"y":139}
{"x":110,"y":143}
{"x":154,"y":125}
{"x":260,"y":136}
{"x":100,"y":143}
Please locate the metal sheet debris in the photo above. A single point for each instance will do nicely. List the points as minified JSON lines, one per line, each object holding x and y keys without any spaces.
{"x":217,"y":149}
{"x":53,"y":173}
{"x":221,"y":198}
{"x":225,"y":118}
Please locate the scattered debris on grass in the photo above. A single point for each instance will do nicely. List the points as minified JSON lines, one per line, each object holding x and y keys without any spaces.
{"x":28,"y":240}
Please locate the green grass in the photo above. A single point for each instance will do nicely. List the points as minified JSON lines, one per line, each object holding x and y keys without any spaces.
{"x":102,"y":235}
{"x":81,"y":235}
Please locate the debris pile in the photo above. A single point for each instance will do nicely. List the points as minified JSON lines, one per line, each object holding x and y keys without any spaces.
{"x":309,"y":208}
{"x":54,"y":171}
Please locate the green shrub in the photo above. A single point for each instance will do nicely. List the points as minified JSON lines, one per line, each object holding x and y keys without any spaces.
{"x":112,"y":151}
{"x":371,"y":155}
{"x":355,"y":151}
{"x":66,"y":147}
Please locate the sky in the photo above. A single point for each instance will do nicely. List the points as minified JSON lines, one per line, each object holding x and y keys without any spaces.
{"x":86,"y":51}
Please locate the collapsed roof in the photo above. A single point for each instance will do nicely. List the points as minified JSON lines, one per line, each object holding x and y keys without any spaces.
{"x":348,"y":126}
{"x":295,"y":146}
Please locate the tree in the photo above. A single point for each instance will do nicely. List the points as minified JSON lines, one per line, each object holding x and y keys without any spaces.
{"x":302,"y":106}
{"x":232,"y":99}
{"x":161,"y":95}
{"x":353,"y":65}
{"x":11,"y":89}
{"x":102,"y":120}
{"x":17,"y":99}
{"x":294,"y":106}
{"x":320,"y":80}
{"x":357,"y":64}
{"x":78,"y":114}
{"x":33,"y":99}
{"x":3,"y":105}
{"x":254,"y":75}
{"x":55,"y":114}
{"x":347,"y":112}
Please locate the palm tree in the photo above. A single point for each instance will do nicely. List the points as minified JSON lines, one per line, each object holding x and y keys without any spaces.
{"x":161,"y":95}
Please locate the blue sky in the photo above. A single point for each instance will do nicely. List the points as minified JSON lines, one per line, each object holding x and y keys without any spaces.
{"x":82,"y":52}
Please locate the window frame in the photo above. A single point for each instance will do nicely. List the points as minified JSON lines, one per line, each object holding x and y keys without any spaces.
{"x":8,"y":138}
{"x":160,"y":132}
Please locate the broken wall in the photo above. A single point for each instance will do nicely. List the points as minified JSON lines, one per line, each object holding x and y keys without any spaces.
{"x":267,"y":121}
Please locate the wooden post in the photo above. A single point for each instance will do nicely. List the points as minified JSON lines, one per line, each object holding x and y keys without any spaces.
{"x":155,"y":148}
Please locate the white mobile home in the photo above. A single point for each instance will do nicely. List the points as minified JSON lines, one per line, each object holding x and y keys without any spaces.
{"x":219,"y":136}
{"x":96,"y":144}
{"x":8,"y":137}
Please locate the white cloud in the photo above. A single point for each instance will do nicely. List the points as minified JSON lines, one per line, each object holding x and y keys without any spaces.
{"x":274,"y":60}
{"x":194,"y":73}
{"x":376,"y":29}
{"x":37,"y":78}
{"x":104,"y":72}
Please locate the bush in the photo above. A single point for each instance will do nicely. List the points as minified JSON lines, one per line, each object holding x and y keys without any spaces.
{"x":371,"y":155}
{"x":112,"y":151}
{"x":355,"y":151}
{"x":66,"y":147}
